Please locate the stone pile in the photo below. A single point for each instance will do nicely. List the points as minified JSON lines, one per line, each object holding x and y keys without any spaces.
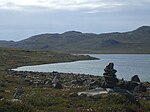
{"x":110,"y":79}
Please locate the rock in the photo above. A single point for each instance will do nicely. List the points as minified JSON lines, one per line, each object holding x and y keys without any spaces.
{"x":55,"y":79}
{"x":110,"y":79}
{"x":78,"y":82}
{"x":95,"y":84}
{"x":48,"y":82}
{"x":119,"y":91}
{"x":7,"y":91}
{"x":1,"y":98}
{"x":140,"y":88}
{"x":2,"y":84}
{"x":135,"y":78}
{"x":28,"y":82}
{"x":122,"y":84}
{"x":131,"y":85}
{"x":83,"y":95}
{"x":73,"y":95}
{"x":58,"y":85}
{"x":18,"y":93}
{"x":23,"y":75}
{"x":16,"y":100}
{"x":93,"y":92}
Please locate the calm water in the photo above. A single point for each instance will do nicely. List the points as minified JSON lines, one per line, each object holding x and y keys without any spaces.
{"x":126,"y":65}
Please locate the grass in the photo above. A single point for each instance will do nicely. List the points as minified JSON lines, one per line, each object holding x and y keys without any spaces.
{"x":50,"y":99}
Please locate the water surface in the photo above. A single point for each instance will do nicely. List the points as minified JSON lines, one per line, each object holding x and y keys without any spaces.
{"x":126,"y":65}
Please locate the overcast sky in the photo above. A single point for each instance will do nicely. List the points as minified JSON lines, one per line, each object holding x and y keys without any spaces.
{"x":20,"y":19}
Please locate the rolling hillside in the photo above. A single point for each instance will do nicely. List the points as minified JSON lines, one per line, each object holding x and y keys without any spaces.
{"x":137,"y":41}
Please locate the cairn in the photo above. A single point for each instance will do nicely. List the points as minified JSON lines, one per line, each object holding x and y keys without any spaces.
{"x":110,"y":79}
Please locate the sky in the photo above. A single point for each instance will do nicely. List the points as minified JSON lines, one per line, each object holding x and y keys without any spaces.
{"x":20,"y":19}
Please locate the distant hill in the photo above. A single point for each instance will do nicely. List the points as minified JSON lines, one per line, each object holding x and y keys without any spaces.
{"x":4,"y":43}
{"x":137,"y":41}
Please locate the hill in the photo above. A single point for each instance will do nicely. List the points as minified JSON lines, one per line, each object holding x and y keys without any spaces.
{"x":136,"y":41}
{"x":11,"y":58}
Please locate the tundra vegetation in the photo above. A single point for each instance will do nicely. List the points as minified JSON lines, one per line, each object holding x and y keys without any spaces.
{"x":48,"y":99}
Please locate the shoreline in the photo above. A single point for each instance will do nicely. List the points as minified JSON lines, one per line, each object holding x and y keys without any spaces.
{"x":72,"y":66}
{"x":67,"y":79}
{"x":94,"y":58}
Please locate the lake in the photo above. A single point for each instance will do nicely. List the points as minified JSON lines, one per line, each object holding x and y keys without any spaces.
{"x":126,"y":65}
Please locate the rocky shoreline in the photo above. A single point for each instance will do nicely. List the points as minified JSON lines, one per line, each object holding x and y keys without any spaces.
{"x":95,"y":84}
{"x":47,"y":79}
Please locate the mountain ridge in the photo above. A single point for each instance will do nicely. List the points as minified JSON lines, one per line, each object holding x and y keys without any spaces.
{"x":136,"y":41}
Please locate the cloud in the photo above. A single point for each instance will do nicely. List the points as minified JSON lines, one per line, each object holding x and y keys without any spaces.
{"x":89,"y":6}
{"x":70,"y":5}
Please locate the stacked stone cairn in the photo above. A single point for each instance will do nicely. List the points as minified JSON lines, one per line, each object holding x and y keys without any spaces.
{"x":110,"y":79}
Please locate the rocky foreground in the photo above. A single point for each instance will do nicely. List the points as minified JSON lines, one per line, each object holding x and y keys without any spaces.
{"x":67,"y":92}
{"x":96,"y":84}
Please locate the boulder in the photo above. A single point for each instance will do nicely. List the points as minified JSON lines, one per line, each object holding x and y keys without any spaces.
{"x":93,"y":92}
{"x":135,"y":78}
{"x":140,"y":88}
{"x":58,"y":85}
{"x":131,"y":85}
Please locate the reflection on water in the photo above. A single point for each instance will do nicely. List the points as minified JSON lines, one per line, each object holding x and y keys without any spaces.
{"x":127,"y":65}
